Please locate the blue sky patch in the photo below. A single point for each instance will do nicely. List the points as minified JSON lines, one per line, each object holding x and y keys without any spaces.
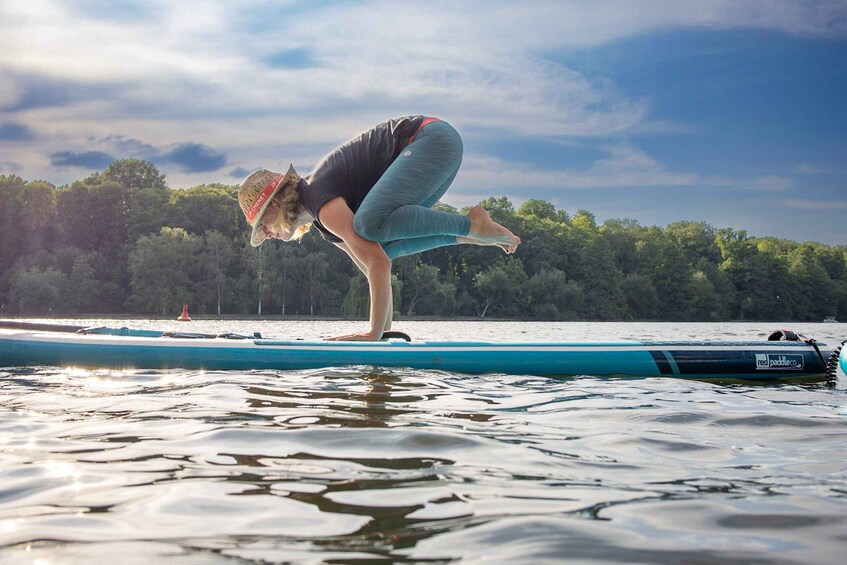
{"x":291,"y":59}
{"x":15,"y":132}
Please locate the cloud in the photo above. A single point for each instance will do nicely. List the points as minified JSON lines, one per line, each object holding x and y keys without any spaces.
{"x":128,"y":147}
{"x":807,"y":169}
{"x":447,"y":64}
{"x":56,"y":39}
{"x":30,"y":93}
{"x":193,"y":158}
{"x":10,"y":167}
{"x":15,"y":132}
{"x":187,"y":156}
{"x":812,"y":204}
{"x":258,"y":79}
{"x":86,"y":160}
{"x":622,"y":167}
{"x":281,"y":59}
{"x":239,"y":173}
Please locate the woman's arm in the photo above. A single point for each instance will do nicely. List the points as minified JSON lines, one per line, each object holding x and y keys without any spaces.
{"x":343,"y":246}
{"x":389,"y":315}
{"x":369,"y":256}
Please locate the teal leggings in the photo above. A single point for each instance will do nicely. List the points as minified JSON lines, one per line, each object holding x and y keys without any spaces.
{"x":397,"y":212}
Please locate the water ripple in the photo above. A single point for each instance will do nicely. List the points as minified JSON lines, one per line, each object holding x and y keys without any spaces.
{"x":403,"y":465}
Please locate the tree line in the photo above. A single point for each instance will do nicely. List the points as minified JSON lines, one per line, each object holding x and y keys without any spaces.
{"x":122,"y":242}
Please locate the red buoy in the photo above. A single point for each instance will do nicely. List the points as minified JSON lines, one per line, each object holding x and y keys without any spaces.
{"x":184,"y":316}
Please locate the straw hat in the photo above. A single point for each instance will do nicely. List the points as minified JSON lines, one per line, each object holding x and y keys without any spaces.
{"x":256,"y":193}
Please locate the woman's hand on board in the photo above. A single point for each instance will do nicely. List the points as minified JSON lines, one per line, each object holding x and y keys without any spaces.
{"x":363,"y":336}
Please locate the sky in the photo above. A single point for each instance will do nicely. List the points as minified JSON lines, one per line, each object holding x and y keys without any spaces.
{"x":732,"y":113}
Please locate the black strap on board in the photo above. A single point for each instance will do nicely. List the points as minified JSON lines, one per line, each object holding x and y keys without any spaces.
{"x":395,"y":335}
{"x":788,"y":335}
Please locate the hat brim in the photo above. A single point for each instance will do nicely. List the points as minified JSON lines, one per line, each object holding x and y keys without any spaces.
{"x":257,"y":236}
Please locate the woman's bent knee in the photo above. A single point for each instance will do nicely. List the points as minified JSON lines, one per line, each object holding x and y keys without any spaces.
{"x":366,"y":225}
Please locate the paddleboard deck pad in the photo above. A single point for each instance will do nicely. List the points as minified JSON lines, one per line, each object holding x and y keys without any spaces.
{"x":145,"y":349}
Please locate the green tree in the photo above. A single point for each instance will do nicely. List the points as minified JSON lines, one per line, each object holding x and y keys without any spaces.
{"x":95,"y":218}
{"x":550,"y":295}
{"x":705,"y":303}
{"x":601,"y":279}
{"x":356,"y":302}
{"x":547,"y":243}
{"x":499,"y":286}
{"x":543,"y":210}
{"x":12,"y":233}
{"x":501,"y":209}
{"x":37,"y":217}
{"x":813,"y":292}
{"x":585,"y":222}
{"x":660,"y":258}
{"x":146,"y":195}
{"x":83,"y":294}
{"x":423,"y":287}
{"x":134,"y":174}
{"x":38,"y":290}
{"x":283,"y":261}
{"x":72,"y":245}
{"x":623,"y":236}
{"x":203,"y":208}
{"x":314,"y":269}
{"x":163,"y":269}
{"x":148,"y":211}
{"x":642,"y":299}
{"x":697,"y":241}
{"x":219,"y":264}
{"x":254,"y":259}
{"x":713,"y":292}
{"x":760,"y":280}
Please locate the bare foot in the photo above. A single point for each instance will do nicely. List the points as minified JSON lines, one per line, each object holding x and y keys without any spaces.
{"x":472,"y":241}
{"x":483,"y":228}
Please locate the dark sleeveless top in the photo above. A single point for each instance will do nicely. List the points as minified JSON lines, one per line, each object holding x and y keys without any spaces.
{"x":352,"y":170}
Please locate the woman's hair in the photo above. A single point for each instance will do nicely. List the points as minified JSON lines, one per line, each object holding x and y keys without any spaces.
{"x":300,"y":232}
{"x":292,"y":207}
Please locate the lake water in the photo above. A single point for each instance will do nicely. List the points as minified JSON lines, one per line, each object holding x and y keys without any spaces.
{"x":352,"y":464}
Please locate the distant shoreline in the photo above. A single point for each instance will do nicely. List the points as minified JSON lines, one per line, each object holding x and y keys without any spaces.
{"x":302,"y":318}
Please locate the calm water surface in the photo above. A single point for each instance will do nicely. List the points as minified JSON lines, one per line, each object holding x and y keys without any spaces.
{"x":354,"y":464}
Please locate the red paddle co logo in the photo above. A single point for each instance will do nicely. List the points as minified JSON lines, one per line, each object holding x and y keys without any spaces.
{"x":780,"y":361}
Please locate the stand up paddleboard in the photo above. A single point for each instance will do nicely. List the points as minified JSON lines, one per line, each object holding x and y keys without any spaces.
{"x":784,"y":356}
